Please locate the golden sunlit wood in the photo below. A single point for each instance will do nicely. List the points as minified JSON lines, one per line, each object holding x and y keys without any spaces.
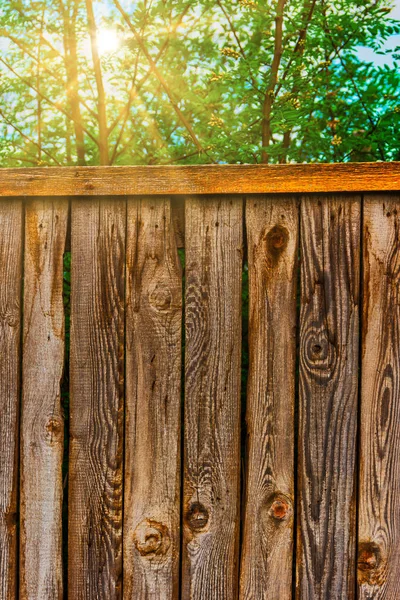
{"x":200,"y":179}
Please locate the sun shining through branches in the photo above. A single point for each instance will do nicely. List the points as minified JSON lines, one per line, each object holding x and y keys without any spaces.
{"x":173,"y":81}
{"x":108,"y":42}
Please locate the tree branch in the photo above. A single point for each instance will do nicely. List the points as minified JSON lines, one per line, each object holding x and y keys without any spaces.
{"x":37,"y":33}
{"x":64,"y":58}
{"x":351,"y":77}
{"x":54,"y":104}
{"x":300,"y":43}
{"x":101,"y":103}
{"x":134,"y":91}
{"x":299,"y":50}
{"x":56,"y":77}
{"x":270,"y":92}
{"x":241,"y":49}
{"x":71,"y":69}
{"x":160,"y":77}
{"x":232,"y":28}
{"x":39,"y":100}
{"x":22,"y":134}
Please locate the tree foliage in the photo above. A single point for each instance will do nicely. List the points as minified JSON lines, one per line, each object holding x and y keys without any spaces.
{"x":195,"y":82}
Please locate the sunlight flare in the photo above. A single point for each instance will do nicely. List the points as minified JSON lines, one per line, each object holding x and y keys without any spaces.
{"x":108,"y":42}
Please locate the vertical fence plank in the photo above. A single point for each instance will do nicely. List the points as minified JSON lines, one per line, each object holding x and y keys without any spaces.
{"x":379,"y":497}
{"x":153,"y":403}
{"x":42,"y":427}
{"x":96,"y":421}
{"x":267,"y":548}
{"x":212,"y":397}
{"x":10,"y":327}
{"x":330,"y":238}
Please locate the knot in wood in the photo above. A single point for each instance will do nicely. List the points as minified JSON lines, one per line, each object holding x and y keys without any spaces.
{"x":12,"y":318}
{"x":319,"y":353}
{"x":151,"y":538}
{"x":197,"y":516}
{"x":369,"y":556}
{"x":277,"y":240}
{"x":318,"y":349}
{"x":160,"y":297}
{"x":54,"y":430}
{"x":279,"y":507}
{"x":370,"y":563}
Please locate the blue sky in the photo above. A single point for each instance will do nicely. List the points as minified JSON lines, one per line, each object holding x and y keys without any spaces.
{"x":369,"y":55}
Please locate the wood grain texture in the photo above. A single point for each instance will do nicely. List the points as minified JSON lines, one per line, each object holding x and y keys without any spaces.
{"x":329,"y":339}
{"x":97,"y":388}
{"x":153,"y":403}
{"x":379,"y":495}
{"x":42,"y":426}
{"x":212,"y":398}
{"x":200,"y":179}
{"x":178,"y":219}
{"x":11,"y":222}
{"x":267,"y":546}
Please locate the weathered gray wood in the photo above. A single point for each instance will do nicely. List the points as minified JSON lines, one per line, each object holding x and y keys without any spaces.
{"x":97,"y":389}
{"x":212,"y":398}
{"x":379,"y":495}
{"x":329,"y":322}
{"x":267,"y":547}
{"x":11,"y":216}
{"x":42,"y":426}
{"x":153,"y":403}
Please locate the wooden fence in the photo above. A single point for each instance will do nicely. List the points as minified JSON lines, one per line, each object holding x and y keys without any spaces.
{"x":173,"y":494}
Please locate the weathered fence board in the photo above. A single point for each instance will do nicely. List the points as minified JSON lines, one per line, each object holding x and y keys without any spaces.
{"x":153,"y":403}
{"x":379,"y":501}
{"x":212,"y":398}
{"x":272,"y":238}
{"x":97,"y":388}
{"x":42,"y":426}
{"x":200,"y":179}
{"x":155,"y":506}
{"x":11,"y":221}
{"x":329,"y":339}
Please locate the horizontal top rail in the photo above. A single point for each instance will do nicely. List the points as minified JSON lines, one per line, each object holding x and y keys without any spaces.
{"x":199,"y":179}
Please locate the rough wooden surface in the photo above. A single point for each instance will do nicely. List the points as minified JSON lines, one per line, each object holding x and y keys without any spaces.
{"x":379,"y":496}
{"x":200,"y":179}
{"x":267,"y":547}
{"x":178,"y":219}
{"x":329,"y":338}
{"x":329,"y":366}
{"x":42,"y":426}
{"x":153,"y":403}
{"x":11,"y":215}
{"x":97,"y":388}
{"x":212,"y":398}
